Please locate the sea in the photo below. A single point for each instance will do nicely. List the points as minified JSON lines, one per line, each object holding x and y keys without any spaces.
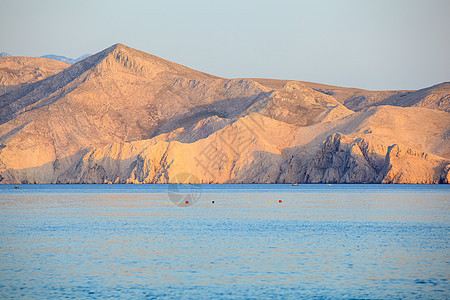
{"x":243,"y":241}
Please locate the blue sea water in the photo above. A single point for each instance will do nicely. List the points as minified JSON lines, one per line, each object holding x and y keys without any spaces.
{"x":145,"y":242}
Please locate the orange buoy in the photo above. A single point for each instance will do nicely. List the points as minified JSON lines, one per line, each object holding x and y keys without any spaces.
{"x":279,"y":201}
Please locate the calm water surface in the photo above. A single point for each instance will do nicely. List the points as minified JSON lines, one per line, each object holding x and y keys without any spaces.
{"x":133,"y":241}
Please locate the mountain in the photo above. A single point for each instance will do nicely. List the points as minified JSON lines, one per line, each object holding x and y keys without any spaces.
{"x":126,"y":116}
{"x":65,"y":59}
{"x":435,"y":97}
{"x":18,"y":70}
{"x":352,"y":98}
{"x":4,"y":54}
{"x":270,"y":151}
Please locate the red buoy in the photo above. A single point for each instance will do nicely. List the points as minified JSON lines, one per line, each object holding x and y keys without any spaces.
{"x":279,"y":201}
{"x":187,"y":202}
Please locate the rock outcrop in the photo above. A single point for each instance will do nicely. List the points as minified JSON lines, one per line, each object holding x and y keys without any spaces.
{"x":345,"y":160}
{"x":354,"y":160}
{"x":406,"y":165}
{"x":297,"y":104}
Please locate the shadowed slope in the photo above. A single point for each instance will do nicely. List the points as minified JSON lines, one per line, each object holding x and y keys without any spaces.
{"x":435,"y":97}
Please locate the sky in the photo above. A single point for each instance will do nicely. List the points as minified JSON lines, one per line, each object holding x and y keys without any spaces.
{"x":370,"y":44}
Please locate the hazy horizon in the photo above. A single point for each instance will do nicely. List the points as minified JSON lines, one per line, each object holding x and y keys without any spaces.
{"x":375,"y":45}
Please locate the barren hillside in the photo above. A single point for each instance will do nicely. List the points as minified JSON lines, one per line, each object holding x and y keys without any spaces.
{"x":126,"y":116}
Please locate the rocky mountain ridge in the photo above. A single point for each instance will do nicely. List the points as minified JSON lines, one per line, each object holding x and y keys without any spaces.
{"x":125,"y":116}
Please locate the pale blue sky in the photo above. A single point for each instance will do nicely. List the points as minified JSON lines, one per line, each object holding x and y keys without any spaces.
{"x":372,"y":44}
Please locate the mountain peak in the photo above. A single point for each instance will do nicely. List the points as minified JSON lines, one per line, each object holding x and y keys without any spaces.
{"x":121,"y":57}
{"x":120,"y":46}
{"x":117,"y":46}
{"x":292,"y":86}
